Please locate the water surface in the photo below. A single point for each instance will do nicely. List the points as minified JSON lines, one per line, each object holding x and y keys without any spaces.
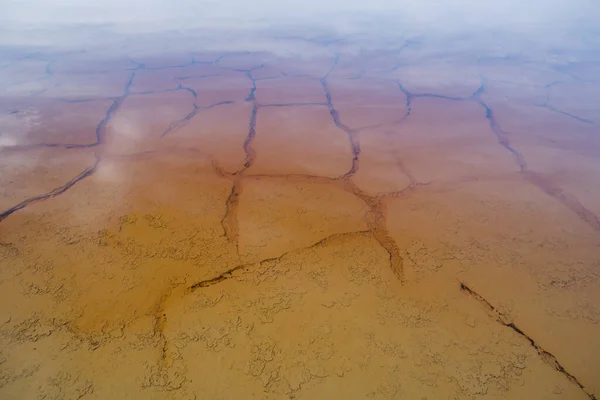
{"x":303,"y":200}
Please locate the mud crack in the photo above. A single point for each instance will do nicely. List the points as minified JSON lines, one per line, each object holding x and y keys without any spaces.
{"x":532,"y":177}
{"x":231,"y":273}
{"x":55,"y":192}
{"x":165,"y":360}
{"x":377,"y":227}
{"x":100,"y":132}
{"x":536,"y":179}
{"x":180,"y":123}
{"x":545,"y":355}
{"x":352,"y":133}
{"x":230,"y":219}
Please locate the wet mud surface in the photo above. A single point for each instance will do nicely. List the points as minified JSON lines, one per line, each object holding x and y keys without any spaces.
{"x":217,"y":224}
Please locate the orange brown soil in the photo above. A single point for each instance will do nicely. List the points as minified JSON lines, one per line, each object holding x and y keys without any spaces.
{"x":240,"y":225}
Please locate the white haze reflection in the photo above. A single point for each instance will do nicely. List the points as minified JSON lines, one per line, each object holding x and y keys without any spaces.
{"x":515,"y":25}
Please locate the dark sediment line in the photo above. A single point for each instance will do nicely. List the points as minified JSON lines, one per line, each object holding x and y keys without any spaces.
{"x":230,"y":272}
{"x":160,"y":322}
{"x":114,"y":107}
{"x":440,"y":96}
{"x":213,"y":281}
{"x":21,"y":147}
{"x":167,"y":67}
{"x":196,"y":108}
{"x":250,"y":153}
{"x":218,"y":60}
{"x":251,"y":95}
{"x":183,"y":78}
{"x":572,"y":116}
{"x":352,"y":134}
{"x":357,"y":76}
{"x":564,"y":69}
{"x":127,"y":90}
{"x":100,"y":132}
{"x":181,"y":122}
{"x":229,"y":221}
{"x":89,"y":100}
{"x":409,"y":97}
{"x":220,"y":103}
{"x":55,"y":192}
{"x":336,"y":61}
{"x":554,"y":83}
{"x":501,"y":135}
{"x":151,"y":92}
{"x":534,"y":178}
{"x":545,"y":355}
{"x":101,"y":128}
{"x":250,"y":70}
{"x":480,"y":90}
{"x":267,"y":78}
{"x":187,"y":89}
{"x":248,"y":150}
{"x":237,"y":53}
{"x":406,"y":171}
{"x":294,"y":104}
{"x":377,"y":227}
{"x":401,"y":165}
{"x":537,"y":180}
{"x":548,"y":107}
{"x":160,"y":313}
{"x":377,"y":218}
{"x":138,"y":65}
{"x":407,"y":43}
{"x":565,"y":198}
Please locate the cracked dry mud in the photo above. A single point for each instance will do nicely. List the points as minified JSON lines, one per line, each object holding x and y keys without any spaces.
{"x":219,"y":224}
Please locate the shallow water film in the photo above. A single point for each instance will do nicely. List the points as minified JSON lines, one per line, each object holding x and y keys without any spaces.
{"x":301,"y":200}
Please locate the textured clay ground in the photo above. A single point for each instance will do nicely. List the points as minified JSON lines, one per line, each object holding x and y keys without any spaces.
{"x":347,"y":226}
